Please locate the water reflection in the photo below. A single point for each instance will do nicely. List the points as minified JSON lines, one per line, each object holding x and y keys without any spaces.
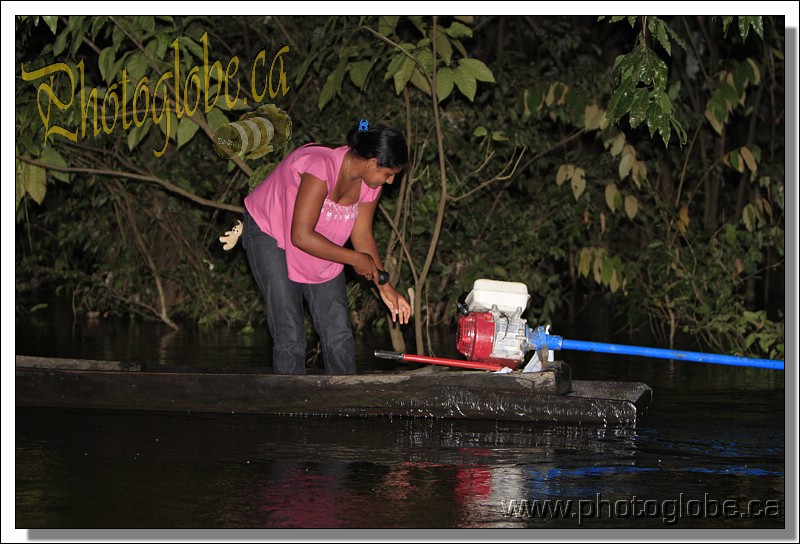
{"x":285,"y":471}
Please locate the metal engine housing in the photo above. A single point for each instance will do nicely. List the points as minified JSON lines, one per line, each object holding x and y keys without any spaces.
{"x":493,"y":336}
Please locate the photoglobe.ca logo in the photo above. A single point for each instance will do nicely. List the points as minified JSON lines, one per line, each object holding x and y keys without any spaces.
{"x":255,"y":134}
{"x":191,"y":93}
{"x":670,"y":511}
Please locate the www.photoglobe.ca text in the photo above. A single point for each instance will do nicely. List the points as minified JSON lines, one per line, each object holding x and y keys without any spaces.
{"x":670,"y":511}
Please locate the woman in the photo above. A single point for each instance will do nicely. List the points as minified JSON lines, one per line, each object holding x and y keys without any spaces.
{"x":296,"y":223}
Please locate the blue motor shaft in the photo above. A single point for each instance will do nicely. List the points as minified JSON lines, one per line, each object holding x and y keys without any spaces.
{"x":539,"y":337}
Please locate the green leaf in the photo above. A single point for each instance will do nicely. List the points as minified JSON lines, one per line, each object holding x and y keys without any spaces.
{"x":681,"y":134}
{"x":164,"y":42}
{"x":34,"y":179}
{"x":61,"y":42}
{"x":616,"y":144}
{"x":137,"y":66}
{"x":716,"y":113}
{"x":420,"y":81}
{"x":728,"y":93}
{"x":216,"y":119}
{"x":749,"y":217}
{"x":417,"y":21}
{"x":631,"y":206}
{"x":584,"y":262}
{"x":394,"y":65}
{"x":611,"y":193}
{"x":106,"y":63}
{"x":618,"y":201}
{"x":625,"y":164}
{"x":638,"y":106}
{"x":478,"y":69}
{"x":744,"y":27}
{"x":137,"y":134}
{"x":145,"y":22}
{"x":444,"y":83}
{"x":726,"y":21}
{"x":480,"y":131}
{"x":756,"y":150}
{"x":634,"y":65}
{"x":657,"y":120}
{"x":658,"y":29}
{"x":660,"y":74}
{"x":459,"y":30}
{"x":301,"y":72}
{"x":591,"y":117}
{"x":564,"y":173}
{"x":443,"y":48}
{"x":52,"y":157}
{"x":465,"y":82}
{"x":535,"y":99}
{"x":359,"y":71}
{"x":735,"y":161}
{"x":730,"y":234}
{"x":403,"y":75}
{"x":749,"y":159}
{"x":459,"y":46}
{"x":608,"y":269}
{"x":425,"y":59}
{"x":186,"y":130}
{"x":664,"y":103}
{"x":333,"y":84}
{"x":755,"y":71}
{"x":387,"y":24}
{"x":578,"y":184}
{"x":186,"y":43}
{"x":51,"y":21}
{"x":597,"y":267}
{"x":621,"y":100}
{"x":614,"y":281}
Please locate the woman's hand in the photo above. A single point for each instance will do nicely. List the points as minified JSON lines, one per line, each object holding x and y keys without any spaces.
{"x":365,"y":266}
{"x":397,"y":304}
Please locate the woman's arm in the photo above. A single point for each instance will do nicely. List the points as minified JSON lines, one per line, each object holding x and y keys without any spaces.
{"x":362,"y":238}
{"x":310,"y":198}
{"x":364,"y":241}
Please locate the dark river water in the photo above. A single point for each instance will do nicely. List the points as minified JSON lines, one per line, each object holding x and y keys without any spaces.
{"x":710,"y":452}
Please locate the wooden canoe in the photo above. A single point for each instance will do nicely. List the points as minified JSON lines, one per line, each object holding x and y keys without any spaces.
{"x":548,"y":396}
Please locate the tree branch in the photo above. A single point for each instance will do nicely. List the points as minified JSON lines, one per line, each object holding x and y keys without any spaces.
{"x":151,"y":179}
{"x":490,"y":181}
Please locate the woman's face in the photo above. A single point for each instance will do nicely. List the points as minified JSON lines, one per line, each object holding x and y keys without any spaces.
{"x":375,"y":175}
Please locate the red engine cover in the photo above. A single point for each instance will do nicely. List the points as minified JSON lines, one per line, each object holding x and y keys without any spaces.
{"x":475,"y":336}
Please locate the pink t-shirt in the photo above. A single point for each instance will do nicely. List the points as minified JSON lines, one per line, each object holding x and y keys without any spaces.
{"x":271,"y":204}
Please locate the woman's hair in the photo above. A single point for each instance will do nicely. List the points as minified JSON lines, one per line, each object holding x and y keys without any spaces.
{"x":380,"y":142}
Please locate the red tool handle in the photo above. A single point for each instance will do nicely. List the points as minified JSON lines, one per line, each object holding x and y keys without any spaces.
{"x":436,"y":360}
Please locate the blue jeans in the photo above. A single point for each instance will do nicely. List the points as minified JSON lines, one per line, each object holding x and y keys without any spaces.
{"x":327,"y":303}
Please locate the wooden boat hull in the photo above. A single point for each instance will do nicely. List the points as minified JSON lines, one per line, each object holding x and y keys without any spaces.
{"x":547,"y":396}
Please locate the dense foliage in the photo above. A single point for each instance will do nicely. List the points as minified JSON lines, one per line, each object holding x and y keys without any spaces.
{"x":635,"y":159}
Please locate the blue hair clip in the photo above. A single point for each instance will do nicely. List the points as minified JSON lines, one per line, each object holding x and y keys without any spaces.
{"x":363,"y":126}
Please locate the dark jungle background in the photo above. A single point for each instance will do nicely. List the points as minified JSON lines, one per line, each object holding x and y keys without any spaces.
{"x":636,"y":162}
